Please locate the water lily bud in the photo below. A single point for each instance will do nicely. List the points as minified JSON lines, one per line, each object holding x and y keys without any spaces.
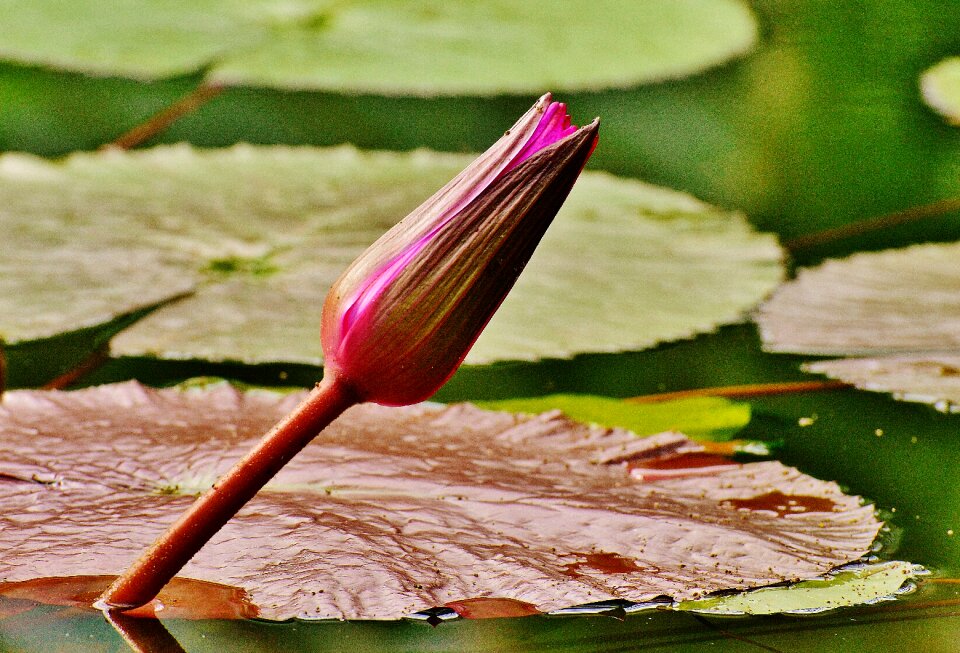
{"x":402,"y":317}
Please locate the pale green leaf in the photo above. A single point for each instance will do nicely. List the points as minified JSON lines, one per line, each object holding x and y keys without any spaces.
{"x":424,"y":47}
{"x":940,"y":87}
{"x":925,"y":378}
{"x":855,"y":586}
{"x":702,"y":418}
{"x":260,"y":233}
{"x":894,"y":301}
{"x":899,"y":310}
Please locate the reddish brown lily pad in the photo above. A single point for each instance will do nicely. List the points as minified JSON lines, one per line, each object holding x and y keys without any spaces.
{"x":392,"y":511}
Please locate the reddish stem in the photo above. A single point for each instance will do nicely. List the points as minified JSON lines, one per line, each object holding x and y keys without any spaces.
{"x":874,"y":224}
{"x":743,"y":391}
{"x":144,"y":635}
{"x":167,"y":556}
{"x":91,"y":363}
{"x":166,"y":117}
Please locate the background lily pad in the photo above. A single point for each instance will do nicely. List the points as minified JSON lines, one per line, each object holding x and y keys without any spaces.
{"x":424,"y":48}
{"x":902,"y":300}
{"x":940,"y":85}
{"x":900,"y":309}
{"x":260,"y":233}
{"x":926,"y":378}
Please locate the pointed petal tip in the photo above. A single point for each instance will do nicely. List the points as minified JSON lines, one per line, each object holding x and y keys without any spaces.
{"x":546,"y":104}
{"x":590,"y":131}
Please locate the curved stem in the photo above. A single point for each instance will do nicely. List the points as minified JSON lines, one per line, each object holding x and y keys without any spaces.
{"x":90,"y":364}
{"x":166,"y":117}
{"x":743,"y":391}
{"x":167,"y":556}
{"x":911,"y":214}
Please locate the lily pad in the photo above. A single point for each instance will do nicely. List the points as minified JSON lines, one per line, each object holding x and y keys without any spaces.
{"x":425,"y":48}
{"x":897,"y":311}
{"x":940,"y":86}
{"x":260,"y":233}
{"x":393,"y":511}
{"x":925,"y":378}
{"x":857,"y":585}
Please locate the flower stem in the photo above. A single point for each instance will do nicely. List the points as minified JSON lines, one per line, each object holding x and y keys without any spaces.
{"x":91,"y":363}
{"x":167,"y":556}
{"x":743,"y":391}
{"x":166,"y":117}
{"x":912,"y":214}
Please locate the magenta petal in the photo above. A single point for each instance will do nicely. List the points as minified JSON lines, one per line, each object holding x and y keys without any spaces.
{"x":554,"y":126}
{"x":375,"y":285}
{"x":382,"y":278}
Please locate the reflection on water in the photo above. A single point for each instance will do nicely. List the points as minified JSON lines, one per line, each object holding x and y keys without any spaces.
{"x":931,"y":616}
{"x":143,"y":634}
{"x":181,"y":598}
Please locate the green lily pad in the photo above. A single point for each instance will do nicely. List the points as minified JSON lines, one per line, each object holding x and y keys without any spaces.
{"x":896,"y":311}
{"x":701,"y":418}
{"x":423,"y":48}
{"x":260,"y":233}
{"x":856,"y":586}
{"x":940,"y":87}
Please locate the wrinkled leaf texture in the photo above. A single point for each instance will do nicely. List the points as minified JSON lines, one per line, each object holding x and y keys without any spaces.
{"x":392,"y":511}
{"x":895,"y":313}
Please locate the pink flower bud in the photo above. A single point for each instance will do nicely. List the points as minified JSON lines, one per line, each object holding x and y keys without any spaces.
{"x":402,"y":317}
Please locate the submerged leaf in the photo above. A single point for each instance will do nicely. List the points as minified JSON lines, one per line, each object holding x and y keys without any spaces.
{"x":856,"y":586}
{"x":392,"y":511}
{"x":899,"y":309}
{"x":260,"y":233}
{"x":429,"y":48}
{"x":940,"y":86}
{"x":703,"y":418}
